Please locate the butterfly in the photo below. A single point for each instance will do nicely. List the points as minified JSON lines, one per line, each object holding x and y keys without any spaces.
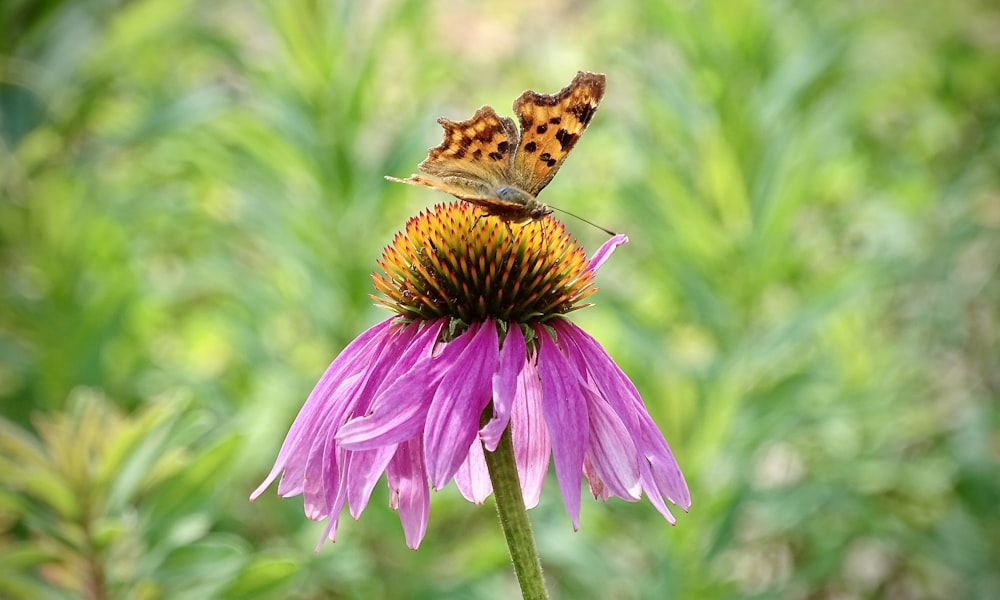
{"x":488,"y":162}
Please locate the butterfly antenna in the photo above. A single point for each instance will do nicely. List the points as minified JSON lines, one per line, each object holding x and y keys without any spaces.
{"x":607,"y":231}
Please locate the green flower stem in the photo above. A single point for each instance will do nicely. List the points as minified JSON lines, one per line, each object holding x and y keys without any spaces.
{"x":514,"y":519}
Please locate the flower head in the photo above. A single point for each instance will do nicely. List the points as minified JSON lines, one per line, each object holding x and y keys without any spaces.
{"x":479,"y":344}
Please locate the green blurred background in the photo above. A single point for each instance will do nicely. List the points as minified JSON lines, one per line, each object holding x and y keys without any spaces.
{"x":191,"y":203}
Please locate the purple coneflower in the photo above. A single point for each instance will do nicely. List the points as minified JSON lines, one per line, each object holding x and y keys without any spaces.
{"x":479,"y":344}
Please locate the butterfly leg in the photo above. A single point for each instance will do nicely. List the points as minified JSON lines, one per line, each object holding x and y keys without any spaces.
{"x":474,"y":222}
{"x":510,"y":231}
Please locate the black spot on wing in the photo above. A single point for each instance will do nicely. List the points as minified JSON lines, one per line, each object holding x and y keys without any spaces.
{"x":566,"y":139}
{"x":485,"y":136}
{"x":546,"y":158}
{"x":530,"y":147}
{"x":501,"y":151}
{"x":477,"y":154}
{"x":542,"y":128}
{"x":555,"y":120}
{"x":583,"y":112}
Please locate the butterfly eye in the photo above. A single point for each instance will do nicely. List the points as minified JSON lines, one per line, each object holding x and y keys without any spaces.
{"x":540,"y":211}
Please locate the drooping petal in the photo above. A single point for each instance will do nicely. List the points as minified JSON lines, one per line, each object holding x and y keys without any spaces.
{"x":590,"y":359}
{"x":413,"y":343}
{"x":316,"y":473}
{"x":420,"y":348}
{"x":408,"y":491}
{"x":325,"y":492}
{"x":364,"y":469}
{"x":611,"y":454}
{"x":604,"y":252}
{"x":308,"y":455}
{"x":353,"y":358}
{"x":326,"y":486}
{"x":654,"y":447}
{"x":594,"y":482}
{"x":666,"y":473}
{"x":400,"y":408}
{"x":661,"y":476}
{"x":473,"y":477}
{"x":459,"y":400}
{"x":323,"y":484}
{"x":329,"y":533}
{"x":530,"y":435}
{"x":334,"y":496}
{"x":386,"y":427}
{"x":566,"y":416}
{"x":505,"y":381}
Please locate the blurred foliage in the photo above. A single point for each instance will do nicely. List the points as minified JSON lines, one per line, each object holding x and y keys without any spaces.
{"x":191,"y":200}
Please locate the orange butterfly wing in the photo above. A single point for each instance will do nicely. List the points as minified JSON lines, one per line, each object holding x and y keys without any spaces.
{"x":474,"y":158}
{"x":551,"y":124}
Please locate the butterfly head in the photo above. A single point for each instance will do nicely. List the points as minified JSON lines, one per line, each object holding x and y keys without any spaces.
{"x":539,"y":210}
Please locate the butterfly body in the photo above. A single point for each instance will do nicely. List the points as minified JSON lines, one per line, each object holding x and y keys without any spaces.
{"x":512,"y":205}
{"x":501,"y":167}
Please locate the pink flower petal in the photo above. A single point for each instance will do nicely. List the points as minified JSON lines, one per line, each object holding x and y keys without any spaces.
{"x":364,"y":469}
{"x":666,"y":473}
{"x":329,"y":533}
{"x":356,"y":354}
{"x":565,"y":413}
{"x":512,"y":359}
{"x":324,"y":484}
{"x":472,"y":477}
{"x":400,"y":408}
{"x":662,"y":476}
{"x":530,"y":435}
{"x":408,"y":491}
{"x":604,"y":252}
{"x":459,"y":400}
{"x":321,"y":482}
{"x":388,"y":426}
{"x":611,"y":453}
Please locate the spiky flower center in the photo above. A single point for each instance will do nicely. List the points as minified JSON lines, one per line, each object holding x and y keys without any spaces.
{"x":451,"y":261}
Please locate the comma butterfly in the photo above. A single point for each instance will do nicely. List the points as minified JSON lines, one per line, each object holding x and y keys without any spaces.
{"x":487,"y":162}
